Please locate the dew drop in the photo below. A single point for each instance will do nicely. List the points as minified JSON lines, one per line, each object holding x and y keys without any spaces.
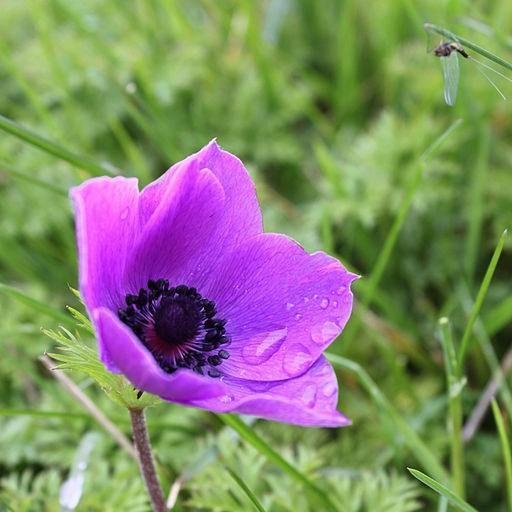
{"x":324,"y":333}
{"x":316,"y":296}
{"x":341,"y":290}
{"x":309,"y":395}
{"x":124,"y":213}
{"x":296,"y":360}
{"x":260,"y":386}
{"x":329,"y":389}
{"x":341,"y":321}
{"x":225,"y":399}
{"x":298,"y":316}
{"x":261,"y":347}
{"x":320,"y":370}
{"x":306,"y":300}
{"x":289,"y":306}
{"x":324,"y":303}
{"x":334,"y":303}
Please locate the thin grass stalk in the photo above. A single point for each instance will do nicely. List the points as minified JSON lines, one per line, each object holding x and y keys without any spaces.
{"x":454,"y":384}
{"x":482,"y":292}
{"x":505,"y":448}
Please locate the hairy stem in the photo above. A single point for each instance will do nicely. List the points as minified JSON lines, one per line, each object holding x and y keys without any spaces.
{"x":146,"y":461}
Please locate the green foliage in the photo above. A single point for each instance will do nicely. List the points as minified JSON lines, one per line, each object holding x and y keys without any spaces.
{"x":75,"y":355}
{"x":352,"y":491}
{"x":331,"y":105}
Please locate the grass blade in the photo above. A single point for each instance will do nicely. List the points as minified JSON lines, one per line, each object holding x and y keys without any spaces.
{"x":475,"y":208}
{"x":247,"y":491}
{"x":418,"y":448}
{"x":457,"y":502}
{"x":390,"y":242}
{"x":34,"y":181}
{"x":50,"y":147}
{"x":36,"y":305}
{"x":482,"y":292}
{"x":430,"y":27}
{"x":505,"y":448}
{"x":247,"y":434}
{"x":455,"y":385}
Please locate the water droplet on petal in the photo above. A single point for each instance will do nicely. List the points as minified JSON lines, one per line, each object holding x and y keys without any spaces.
{"x":296,"y":360}
{"x":341,"y":321}
{"x":124,"y":213}
{"x":320,"y":370}
{"x":324,"y":303}
{"x":289,"y":306}
{"x":309,"y":395}
{"x":324,"y":333}
{"x":306,"y":300}
{"x":260,"y":386}
{"x":298,"y":316}
{"x":261,"y":347}
{"x":316,"y":296}
{"x":334,"y":303}
{"x":225,"y":399}
{"x":342,"y":290}
{"x":329,"y":389}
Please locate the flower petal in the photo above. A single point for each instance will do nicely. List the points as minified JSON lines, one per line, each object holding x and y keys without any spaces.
{"x":107,"y":222}
{"x":308,"y":400}
{"x":242,"y":217}
{"x":219,"y":229}
{"x":128,"y":354}
{"x":283,"y":306}
{"x":179,"y":234}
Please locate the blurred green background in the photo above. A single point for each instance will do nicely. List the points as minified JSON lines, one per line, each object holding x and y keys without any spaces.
{"x":331,"y":105}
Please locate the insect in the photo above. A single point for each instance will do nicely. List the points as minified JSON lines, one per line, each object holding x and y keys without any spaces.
{"x":448,"y":52}
{"x":446,"y":49}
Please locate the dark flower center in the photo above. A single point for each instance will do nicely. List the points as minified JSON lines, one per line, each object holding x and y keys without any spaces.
{"x":178,"y":326}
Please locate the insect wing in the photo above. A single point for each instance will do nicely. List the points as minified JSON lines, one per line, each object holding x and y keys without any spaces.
{"x":451,"y":77}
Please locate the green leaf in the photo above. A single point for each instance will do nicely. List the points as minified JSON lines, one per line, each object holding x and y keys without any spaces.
{"x":418,"y":448}
{"x":457,"y":502}
{"x":396,"y":228}
{"x":75,"y":355}
{"x":247,"y":434}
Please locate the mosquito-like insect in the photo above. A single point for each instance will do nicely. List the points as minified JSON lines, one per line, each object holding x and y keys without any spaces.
{"x":450,"y":62}
{"x":448,"y":52}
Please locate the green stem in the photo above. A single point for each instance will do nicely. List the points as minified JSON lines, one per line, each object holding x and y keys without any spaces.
{"x":454,"y":384}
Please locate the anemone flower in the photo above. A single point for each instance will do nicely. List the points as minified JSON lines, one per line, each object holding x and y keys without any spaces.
{"x":193,"y":302}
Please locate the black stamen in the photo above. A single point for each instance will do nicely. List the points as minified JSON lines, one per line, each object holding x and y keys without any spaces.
{"x":178,"y":326}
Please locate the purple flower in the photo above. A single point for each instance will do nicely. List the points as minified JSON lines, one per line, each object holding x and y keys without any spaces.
{"x":192,"y":302}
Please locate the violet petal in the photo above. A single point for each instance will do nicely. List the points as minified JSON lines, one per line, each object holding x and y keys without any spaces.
{"x":308,"y":400}
{"x":283,"y":305}
{"x":140,"y":368}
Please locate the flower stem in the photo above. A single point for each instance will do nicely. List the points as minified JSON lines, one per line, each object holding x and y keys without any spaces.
{"x":146,"y":461}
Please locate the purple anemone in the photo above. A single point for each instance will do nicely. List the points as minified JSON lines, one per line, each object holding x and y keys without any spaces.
{"x":192,"y":302}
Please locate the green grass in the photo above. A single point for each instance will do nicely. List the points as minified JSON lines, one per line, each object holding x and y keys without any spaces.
{"x":337,"y":111}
